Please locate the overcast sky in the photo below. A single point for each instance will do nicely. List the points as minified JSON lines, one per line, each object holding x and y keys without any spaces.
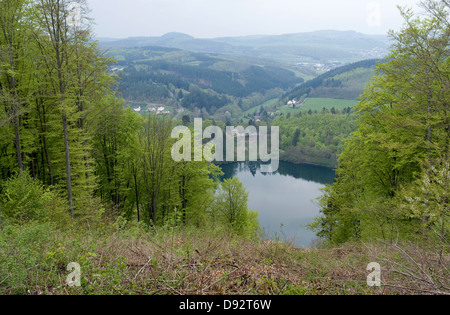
{"x":219,"y":18}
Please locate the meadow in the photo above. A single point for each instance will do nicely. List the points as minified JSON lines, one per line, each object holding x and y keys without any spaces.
{"x":318,"y":104}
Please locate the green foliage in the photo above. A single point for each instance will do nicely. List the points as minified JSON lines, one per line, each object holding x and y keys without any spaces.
{"x":198,"y":99}
{"x":392,"y":175}
{"x":347,"y":82}
{"x":318,"y":104}
{"x":314,"y":139}
{"x":427,"y":201}
{"x":22,"y":252}
{"x":230,"y":208}
{"x":152,"y":78}
{"x":24,"y":199}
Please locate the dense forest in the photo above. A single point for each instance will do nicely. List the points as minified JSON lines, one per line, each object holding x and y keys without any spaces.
{"x":314,"y":138}
{"x":156,"y":76}
{"x":393,"y":175}
{"x":69,"y":148}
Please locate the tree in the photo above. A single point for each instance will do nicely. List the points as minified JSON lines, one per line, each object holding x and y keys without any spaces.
{"x":74,"y":85}
{"x":13,"y":61}
{"x":194,"y":184}
{"x":296,"y":137}
{"x":231,"y":207}
{"x":25,"y":199}
{"x":186,"y":120}
{"x":115,"y":151}
{"x":429,"y":197}
{"x":403,"y":128}
{"x":154,"y":161}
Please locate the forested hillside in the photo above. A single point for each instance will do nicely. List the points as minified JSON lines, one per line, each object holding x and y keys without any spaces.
{"x":159,"y":81}
{"x":225,"y":87}
{"x":315,"y":127}
{"x":71,"y":150}
{"x":199,"y":83}
{"x":253,"y":79}
{"x":314,"y":138}
{"x":346,"y":82}
{"x":393,"y":175}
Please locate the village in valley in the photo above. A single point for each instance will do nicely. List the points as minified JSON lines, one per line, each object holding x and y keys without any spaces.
{"x":156,"y":110}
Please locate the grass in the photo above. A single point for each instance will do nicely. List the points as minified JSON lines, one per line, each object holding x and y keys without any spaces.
{"x":135,"y":261}
{"x":320,"y":103}
{"x":264,"y":105}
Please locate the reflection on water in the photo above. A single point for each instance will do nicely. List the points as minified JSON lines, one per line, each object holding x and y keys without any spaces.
{"x":311,"y":173}
{"x":286,"y":200}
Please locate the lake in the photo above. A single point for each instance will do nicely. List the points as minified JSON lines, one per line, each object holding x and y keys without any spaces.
{"x":286,"y":200}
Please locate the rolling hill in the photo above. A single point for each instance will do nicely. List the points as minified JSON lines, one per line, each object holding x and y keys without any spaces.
{"x":347,"y":82}
{"x":197,"y":81}
{"x":320,"y":46}
{"x":230,"y":76}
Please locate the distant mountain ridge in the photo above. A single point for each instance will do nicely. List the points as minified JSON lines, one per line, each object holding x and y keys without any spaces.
{"x":319,"y":46}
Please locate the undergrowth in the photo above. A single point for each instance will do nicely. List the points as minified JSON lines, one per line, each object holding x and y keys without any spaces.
{"x":141,"y":261}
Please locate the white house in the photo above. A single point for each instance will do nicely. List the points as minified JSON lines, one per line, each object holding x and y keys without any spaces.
{"x":292,"y":104}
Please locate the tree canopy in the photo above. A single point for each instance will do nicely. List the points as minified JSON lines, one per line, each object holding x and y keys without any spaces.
{"x":402,"y":141}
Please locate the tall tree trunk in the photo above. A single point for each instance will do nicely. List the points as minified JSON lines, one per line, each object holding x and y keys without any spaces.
{"x":136,"y":191}
{"x":15,"y":112}
{"x":43,"y":130}
{"x":68,"y":166}
{"x":17,"y":141}
{"x":425,"y":218}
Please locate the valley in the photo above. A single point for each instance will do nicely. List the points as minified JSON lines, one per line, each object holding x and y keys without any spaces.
{"x":251,"y":89}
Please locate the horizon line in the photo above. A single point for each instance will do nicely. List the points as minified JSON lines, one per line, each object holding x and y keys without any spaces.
{"x":238,"y":36}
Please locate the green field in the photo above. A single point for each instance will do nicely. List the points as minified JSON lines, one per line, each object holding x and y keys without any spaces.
{"x":320,"y":103}
{"x":264,"y":105}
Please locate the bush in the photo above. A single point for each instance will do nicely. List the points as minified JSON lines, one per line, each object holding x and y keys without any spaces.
{"x":230,"y":208}
{"x":24,"y":199}
{"x":21,"y":253}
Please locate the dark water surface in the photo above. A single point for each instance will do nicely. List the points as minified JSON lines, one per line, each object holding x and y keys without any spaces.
{"x":286,"y":200}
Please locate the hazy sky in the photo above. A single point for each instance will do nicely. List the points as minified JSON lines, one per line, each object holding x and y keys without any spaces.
{"x":218,"y":18}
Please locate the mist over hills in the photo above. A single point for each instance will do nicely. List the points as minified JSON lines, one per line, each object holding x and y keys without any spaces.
{"x":319,"y":46}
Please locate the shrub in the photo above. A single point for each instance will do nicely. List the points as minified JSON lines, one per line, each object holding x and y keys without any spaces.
{"x":230,"y":208}
{"x":24,"y":199}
